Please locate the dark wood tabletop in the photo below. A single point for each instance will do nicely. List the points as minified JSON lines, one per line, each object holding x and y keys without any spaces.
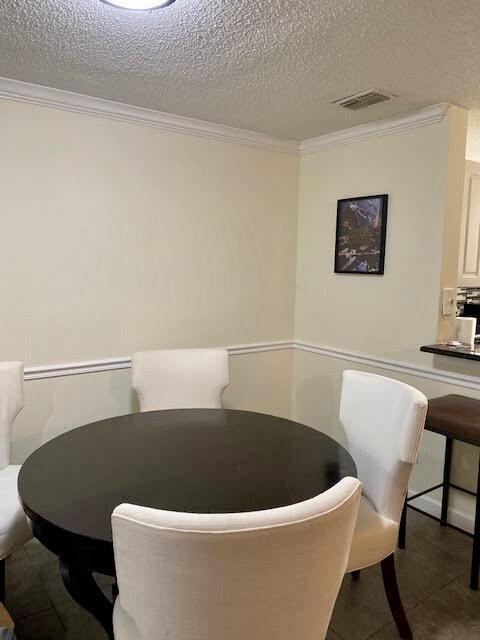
{"x":460,"y":351}
{"x":192,"y":460}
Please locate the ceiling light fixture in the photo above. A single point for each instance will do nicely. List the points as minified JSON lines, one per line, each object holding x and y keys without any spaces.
{"x":139,"y":5}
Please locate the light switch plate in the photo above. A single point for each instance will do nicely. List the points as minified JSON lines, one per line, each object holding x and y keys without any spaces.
{"x":448,"y":302}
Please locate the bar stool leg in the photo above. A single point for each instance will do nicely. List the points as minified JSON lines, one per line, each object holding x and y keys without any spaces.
{"x":402,"y":532}
{"x":476,"y":540}
{"x":446,"y":481}
{"x":2,"y":581}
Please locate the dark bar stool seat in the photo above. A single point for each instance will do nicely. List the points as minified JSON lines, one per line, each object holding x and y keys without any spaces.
{"x":457,"y":418}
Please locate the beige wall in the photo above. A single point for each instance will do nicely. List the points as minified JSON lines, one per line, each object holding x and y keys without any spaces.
{"x":116,"y":237}
{"x":457,"y":122}
{"x":388,"y":317}
{"x":317,"y":387}
{"x":258,"y":382}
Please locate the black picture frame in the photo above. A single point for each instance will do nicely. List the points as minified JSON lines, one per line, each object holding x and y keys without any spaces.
{"x":360,"y":235}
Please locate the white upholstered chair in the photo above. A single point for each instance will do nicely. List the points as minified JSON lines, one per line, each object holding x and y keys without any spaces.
{"x":262,"y":575}
{"x":383,"y":420}
{"x":14,"y":528}
{"x":180,"y":378}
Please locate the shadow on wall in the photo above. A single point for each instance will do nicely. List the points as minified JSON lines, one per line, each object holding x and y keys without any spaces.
{"x":56,"y":405}
{"x":258,"y":382}
{"x":317,"y":403}
{"x":465,"y":466}
{"x":261,"y":382}
{"x":456,"y":365}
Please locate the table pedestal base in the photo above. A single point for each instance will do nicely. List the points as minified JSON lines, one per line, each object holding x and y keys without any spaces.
{"x":81,"y":585}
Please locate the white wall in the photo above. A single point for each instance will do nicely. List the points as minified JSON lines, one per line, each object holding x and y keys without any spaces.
{"x":116,"y":237}
{"x":386,"y":318}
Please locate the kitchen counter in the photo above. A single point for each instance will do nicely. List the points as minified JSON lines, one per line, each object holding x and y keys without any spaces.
{"x":455,"y":352}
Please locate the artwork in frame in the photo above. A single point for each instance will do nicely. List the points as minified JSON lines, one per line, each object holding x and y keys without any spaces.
{"x":361,"y":233}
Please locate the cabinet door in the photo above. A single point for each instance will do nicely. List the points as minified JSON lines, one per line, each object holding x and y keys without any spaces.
{"x":469,"y":256}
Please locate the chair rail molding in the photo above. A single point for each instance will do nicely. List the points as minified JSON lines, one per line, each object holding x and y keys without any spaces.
{"x":378,"y":362}
{"x":89,"y":105}
{"x":419,"y":118}
{"x":125,"y":362}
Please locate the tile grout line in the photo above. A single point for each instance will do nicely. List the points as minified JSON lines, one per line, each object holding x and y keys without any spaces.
{"x":29,"y":557}
{"x":31,"y":615}
{"x":419,"y":602}
{"x":59,"y":618}
{"x":35,"y":569}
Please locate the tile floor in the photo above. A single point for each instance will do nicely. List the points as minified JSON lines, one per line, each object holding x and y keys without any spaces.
{"x":432,"y":572}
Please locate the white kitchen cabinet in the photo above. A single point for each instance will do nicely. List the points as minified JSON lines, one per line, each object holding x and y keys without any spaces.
{"x":469,"y":256}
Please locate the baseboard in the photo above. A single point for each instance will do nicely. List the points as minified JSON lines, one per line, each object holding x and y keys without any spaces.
{"x":433,"y":506}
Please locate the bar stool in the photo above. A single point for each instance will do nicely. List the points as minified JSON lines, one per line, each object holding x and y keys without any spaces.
{"x":457,"y":418}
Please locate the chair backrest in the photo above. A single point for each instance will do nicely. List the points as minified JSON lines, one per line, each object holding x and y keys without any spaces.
{"x":383,"y":420}
{"x":263,"y":575}
{"x":11,"y":403}
{"x":180,"y":378}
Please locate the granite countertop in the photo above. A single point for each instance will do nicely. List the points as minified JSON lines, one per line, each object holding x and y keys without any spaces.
{"x":443,"y":349}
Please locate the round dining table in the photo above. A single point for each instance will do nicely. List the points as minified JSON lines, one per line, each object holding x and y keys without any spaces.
{"x":190,"y":460}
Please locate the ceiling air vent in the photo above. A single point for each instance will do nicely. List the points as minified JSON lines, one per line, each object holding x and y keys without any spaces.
{"x":362,"y":100}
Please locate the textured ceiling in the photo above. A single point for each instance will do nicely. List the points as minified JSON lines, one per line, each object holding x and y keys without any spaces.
{"x":272,"y":66}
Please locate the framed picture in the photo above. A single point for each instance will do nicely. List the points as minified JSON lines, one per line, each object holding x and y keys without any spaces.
{"x":360,"y":236}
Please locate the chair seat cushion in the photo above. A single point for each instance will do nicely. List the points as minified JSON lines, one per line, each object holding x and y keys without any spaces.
{"x":123,"y":625}
{"x":14,"y":527}
{"x":374,"y":539}
{"x":455,"y":415}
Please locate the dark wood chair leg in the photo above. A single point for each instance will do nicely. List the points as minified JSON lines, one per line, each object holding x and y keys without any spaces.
{"x":393,"y":596}
{"x":446,"y":481}
{"x":476,"y":540}
{"x":402,"y":531}
{"x":355,"y":574}
{"x":2,"y":581}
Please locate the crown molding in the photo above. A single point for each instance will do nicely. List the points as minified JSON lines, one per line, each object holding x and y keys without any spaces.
{"x":421,"y":117}
{"x":88,"y":105}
